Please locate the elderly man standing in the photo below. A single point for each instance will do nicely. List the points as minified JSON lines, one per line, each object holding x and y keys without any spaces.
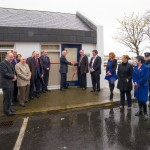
{"x":46,"y":66}
{"x":14,"y":62}
{"x":8,"y":77}
{"x":83,"y":68}
{"x":23,"y":80}
{"x":38,"y":73}
{"x":30,"y":62}
{"x":63,"y":70}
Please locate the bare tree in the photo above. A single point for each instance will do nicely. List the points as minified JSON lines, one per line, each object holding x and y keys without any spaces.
{"x":131,"y":32}
{"x":147,"y":20}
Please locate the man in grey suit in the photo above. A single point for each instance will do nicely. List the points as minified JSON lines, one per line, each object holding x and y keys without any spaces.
{"x":63,"y":70}
{"x":8,"y":77}
{"x":95,"y":70}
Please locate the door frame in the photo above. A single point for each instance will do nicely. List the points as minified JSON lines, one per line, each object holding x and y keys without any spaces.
{"x":79,"y":47}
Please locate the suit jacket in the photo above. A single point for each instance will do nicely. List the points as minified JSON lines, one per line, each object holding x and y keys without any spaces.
{"x":38,"y":70}
{"x":14,"y":62}
{"x":23,"y":73}
{"x":64,"y":64}
{"x":114,"y":66}
{"x":84,"y":65}
{"x":96,"y":65}
{"x":7,"y":74}
{"x":30,"y":62}
{"x":46,"y":62}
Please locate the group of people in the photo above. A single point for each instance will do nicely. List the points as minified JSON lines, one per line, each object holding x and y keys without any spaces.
{"x":125,"y":74}
{"x":30,"y":77}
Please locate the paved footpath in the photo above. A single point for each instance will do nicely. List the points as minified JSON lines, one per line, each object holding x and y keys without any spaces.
{"x":72,"y":98}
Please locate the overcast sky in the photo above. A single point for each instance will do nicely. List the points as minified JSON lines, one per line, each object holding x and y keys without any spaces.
{"x":104,"y":12}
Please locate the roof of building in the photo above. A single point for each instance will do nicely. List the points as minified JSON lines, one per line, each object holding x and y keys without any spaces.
{"x":41,"y":19}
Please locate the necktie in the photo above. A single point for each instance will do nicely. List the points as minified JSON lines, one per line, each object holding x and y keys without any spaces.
{"x":37,"y":63}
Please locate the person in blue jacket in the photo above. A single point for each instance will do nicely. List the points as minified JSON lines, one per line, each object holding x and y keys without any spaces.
{"x":147,"y":62}
{"x":140,"y":80}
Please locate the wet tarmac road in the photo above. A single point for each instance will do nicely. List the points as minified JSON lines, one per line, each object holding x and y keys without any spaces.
{"x":92,"y":129}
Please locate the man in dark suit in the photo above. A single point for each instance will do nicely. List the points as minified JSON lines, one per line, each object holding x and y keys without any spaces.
{"x":30,"y":62}
{"x":46,"y":66}
{"x":14,"y":62}
{"x":8,"y":77}
{"x":83,"y":66}
{"x":95,"y":70}
{"x":38,"y":73}
{"x":63,"y":70}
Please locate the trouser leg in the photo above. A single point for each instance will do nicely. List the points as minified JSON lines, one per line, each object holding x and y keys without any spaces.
{"x":7,"y":99}
{"x":93,"y":81}
{"x":63,"y":80}
{"x":31,"y":89}
{"x":46,"y":78}
{"x":38,"y":85}
{"x":27,"y":92}
{"x":122,"y":97}
{"x":128,"y":94}
{"x":83,"y":77}
{"x":22,"y":94}
{"x":15,"y":92}
{"x":97,"y":77}
{"x":140,"y":106}
{"x":144,"y":107}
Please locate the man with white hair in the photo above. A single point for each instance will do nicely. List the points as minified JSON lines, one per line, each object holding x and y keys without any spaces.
{"x":8,"y":77}
{"x":38,"y":73}
{"x":63,"y":70}
{"x":23,"y":80}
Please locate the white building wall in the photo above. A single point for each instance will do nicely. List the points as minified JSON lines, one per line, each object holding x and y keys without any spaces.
{"x":88,"y":51}
{"x":26,"y":48}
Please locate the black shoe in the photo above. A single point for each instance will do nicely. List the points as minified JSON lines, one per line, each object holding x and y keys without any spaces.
{"x":31,"y":98}
{"x":111,"y":96}
{"x":139,"y":113}
{"x":10,"y":114}
{"x":37,"y":95}
{"x":145,"y":117}
{"x":43,"y":91}
{"x":92,"y":91}
{"x":22,"y":105}
{"x":62,"y":89}
{"x":12,"y":110}
{"x":12,"y":104}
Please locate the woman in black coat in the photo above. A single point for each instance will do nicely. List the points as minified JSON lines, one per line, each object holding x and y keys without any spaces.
{"x":125,"y":81}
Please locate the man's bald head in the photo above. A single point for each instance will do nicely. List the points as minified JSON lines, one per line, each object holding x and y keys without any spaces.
{"x":81,"y":52}
{"x":23,"y":59}
{"x":9,"y":57}
{"x":64,"y":53}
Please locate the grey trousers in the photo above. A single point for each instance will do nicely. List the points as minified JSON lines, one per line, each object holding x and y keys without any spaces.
{"x":24,"y":93}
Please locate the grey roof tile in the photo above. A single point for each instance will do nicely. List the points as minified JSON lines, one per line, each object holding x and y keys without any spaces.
{"x":40,"y":19}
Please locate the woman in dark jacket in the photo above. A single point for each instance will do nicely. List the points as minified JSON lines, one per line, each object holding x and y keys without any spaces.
{"x":111,"y":73}
{"x":125,"y":81}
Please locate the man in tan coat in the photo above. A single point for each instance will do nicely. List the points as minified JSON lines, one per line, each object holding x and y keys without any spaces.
{"x":23,"y":80}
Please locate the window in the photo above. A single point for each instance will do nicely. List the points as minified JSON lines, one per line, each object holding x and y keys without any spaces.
{"x":50,"y":48}
{"x":3,"y":50}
